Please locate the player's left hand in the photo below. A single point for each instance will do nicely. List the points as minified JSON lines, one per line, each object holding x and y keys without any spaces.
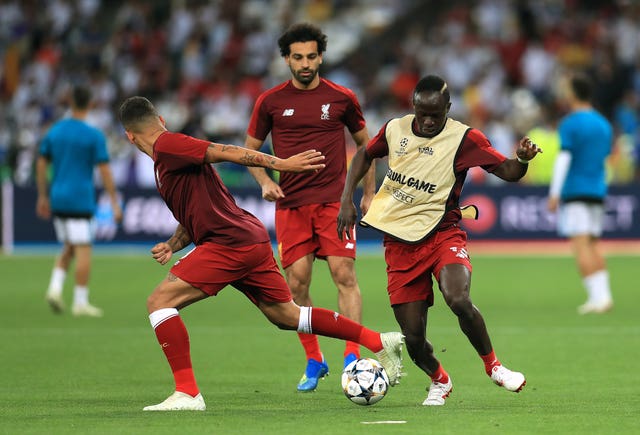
{"x":162,"y":252}
{"x":527,"y":150}
{"x":306,"y":161}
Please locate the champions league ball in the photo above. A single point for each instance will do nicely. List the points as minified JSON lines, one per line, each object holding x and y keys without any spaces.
{"x":365,"y":381}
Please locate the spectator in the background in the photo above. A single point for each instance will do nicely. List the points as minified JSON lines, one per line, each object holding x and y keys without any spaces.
{"x":626,"y":122}
{"x":545,"y":134}
{"x":493,"y":49}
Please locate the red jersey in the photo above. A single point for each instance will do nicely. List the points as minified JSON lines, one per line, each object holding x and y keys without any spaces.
{"x":308,"y":119}
{"x":475,"y":150}
{"x":196,"y":196}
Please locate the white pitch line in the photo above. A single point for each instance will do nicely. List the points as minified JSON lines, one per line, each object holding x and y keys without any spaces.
{"x":384,"y":422}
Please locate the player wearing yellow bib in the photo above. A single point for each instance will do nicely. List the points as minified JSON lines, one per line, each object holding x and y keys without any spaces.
{"x":417,"y":209}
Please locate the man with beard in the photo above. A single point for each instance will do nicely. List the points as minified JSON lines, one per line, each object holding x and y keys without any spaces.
{"x":310,"y":111}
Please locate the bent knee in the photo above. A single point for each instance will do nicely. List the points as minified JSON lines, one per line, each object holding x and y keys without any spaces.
{"x":461,"y":305}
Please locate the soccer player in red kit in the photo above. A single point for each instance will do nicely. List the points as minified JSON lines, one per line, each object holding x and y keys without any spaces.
{"x":416,"y":208}
{"x":232,"y":247}
{"x":311,"y":112}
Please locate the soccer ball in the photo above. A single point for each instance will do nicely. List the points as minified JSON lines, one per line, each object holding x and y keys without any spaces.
{"x":365,"y":381}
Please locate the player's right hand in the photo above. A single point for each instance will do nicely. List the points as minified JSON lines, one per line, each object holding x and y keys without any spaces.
{"x":346,"y":219}
{"x":271,"y":191}
{"x":43,"y":207}
{"x":162,"y":252}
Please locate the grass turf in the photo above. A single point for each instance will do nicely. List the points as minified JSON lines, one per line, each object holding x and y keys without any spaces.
{"x":64,"y":375}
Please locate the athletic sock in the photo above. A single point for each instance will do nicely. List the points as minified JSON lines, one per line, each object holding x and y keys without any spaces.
{"x":331,"y":324}
{"x":173,"y":337}
{"x":311,"y":346}
{"x":56,"y":282}
{"x":490,"y":361}
{"x":440,"y":375}
{"x":352,"y":347}
{"x":597,"y":285}
{"x":80,"y":296}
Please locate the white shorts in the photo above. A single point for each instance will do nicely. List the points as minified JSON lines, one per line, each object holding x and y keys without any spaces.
{"x":75,"y":231}
{"x":579,"y":218}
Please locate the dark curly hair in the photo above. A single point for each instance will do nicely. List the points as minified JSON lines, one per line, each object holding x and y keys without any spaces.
{"x":302,"y":32}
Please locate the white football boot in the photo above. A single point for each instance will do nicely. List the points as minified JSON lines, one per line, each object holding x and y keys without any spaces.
{"x":438,"y":392}
{"x":599,"y":307}
{"x":86,"y":310}
{"x":55,"y":302}
{"x":512,"y":381}
{"x":179,"y":401}
{"x":391,"y":355}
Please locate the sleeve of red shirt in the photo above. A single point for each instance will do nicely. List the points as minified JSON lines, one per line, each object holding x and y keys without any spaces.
{"x":378,"y":146}
{"x":260,"y":122}
{"x":476,"y":150}
{"x":184,"y":150}
{"x":354,"y":119}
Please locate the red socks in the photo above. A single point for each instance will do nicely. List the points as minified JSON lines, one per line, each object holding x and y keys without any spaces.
{"x":353,"y":348}
{"x":311,"y":346}
{"x":331,"y":324}
{"x":174,"y":340}
{"x":440,"y":375}
{"x":490,"y":361}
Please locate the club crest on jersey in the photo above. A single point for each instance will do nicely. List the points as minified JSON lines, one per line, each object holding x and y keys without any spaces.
{"x":288,"y":112}
{"x":325,"y":111}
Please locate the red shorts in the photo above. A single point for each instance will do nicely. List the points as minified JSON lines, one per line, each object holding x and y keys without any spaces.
{"x":311,"y":229}
{"x":251,"y":269}
{"x":410,"y":266}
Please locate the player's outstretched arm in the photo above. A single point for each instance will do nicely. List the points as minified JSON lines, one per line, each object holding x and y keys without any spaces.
{"x":306,"y":161}
{"x":514,"y":169}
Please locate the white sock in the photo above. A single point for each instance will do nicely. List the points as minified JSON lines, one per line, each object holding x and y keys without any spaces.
{"x":304,"y":322}
{"x":57,"y":281}
{"x":159,"y":316}
{"x":80,"y":295}
{"x":597,"y":285}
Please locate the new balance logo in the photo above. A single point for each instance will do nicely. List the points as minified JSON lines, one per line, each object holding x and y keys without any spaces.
{"x":349,"y":245}
{"x":287,"y":112}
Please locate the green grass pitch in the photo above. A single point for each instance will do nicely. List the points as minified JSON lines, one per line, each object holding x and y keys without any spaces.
{"x":65,"y":375}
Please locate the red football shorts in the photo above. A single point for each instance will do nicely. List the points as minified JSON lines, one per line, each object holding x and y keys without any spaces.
{"x":410,"y":266}
{"x":251,"y":269}
{"x":311,"y":229}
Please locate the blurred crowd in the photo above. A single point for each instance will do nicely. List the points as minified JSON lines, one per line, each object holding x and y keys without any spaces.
{"x":204,"y":62}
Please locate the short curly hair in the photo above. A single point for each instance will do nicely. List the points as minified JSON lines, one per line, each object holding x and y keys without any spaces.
{"x":302,"y":32}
